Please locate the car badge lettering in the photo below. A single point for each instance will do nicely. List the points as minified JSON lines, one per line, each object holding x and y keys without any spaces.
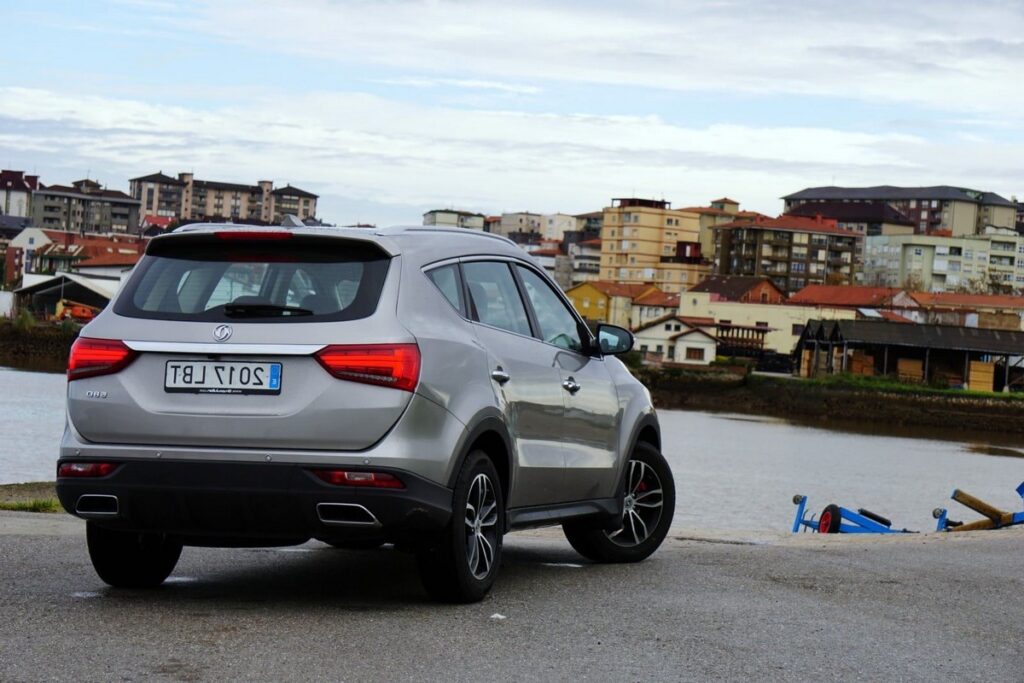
{"x":222,"y":333}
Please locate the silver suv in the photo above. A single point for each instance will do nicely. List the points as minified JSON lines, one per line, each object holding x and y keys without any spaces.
{"x":426,"y":387}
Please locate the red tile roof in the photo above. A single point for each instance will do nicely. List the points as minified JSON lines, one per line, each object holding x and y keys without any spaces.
{"x":618,"y":289}
{"x":724,"y":200}
{"x":658,"y":298}
{"x":844,"y":295}
{"x":596,"y":242}
{"x":707,"y":210}
{"x":109,"y":260}
{"x":670,"y":317}
{"x":955,"y":300}
{"x":790,"y":223}
{"x":894,"y":317}
{"x":545,"y":252}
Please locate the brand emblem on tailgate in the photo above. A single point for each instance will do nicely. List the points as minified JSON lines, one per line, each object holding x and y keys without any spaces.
{"x":222,"y":333}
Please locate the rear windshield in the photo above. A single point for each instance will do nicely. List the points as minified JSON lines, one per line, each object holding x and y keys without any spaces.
{"x":297,"y":280}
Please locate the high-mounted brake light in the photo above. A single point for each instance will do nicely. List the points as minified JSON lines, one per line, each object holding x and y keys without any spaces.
{"x":253,"y":235}
{"x":386,"y":365}
{"x":85,"y":469}
{"x":92,"y":357}
{"x":376,"y":480}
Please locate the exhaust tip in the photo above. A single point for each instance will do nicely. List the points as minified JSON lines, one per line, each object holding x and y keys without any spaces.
{"x":96,"y":505}
{"x":345,"y":514}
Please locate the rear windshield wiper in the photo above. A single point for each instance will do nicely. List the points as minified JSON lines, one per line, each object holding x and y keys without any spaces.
{"x":262,"y":310}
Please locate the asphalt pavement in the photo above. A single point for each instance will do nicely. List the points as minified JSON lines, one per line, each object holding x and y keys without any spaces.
{"x":928,"y":607}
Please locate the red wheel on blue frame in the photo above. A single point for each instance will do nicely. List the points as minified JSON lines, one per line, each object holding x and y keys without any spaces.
{"x":830,"y":519}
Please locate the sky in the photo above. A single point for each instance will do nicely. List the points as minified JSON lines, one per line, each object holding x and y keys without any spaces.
{"x":390,"y":108}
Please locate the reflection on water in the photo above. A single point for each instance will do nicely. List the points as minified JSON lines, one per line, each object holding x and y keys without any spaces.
{"x":737,"y":472}
{"x":988,"y":449}
{"x":733,"y":472}
{"x":31,"y":424}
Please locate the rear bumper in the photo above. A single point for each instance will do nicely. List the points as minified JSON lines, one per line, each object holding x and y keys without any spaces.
{"x":232,"y":504}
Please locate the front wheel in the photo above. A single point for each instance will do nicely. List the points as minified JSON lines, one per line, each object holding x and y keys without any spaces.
{"x":461,"y":563}
{"x":126,"y":559}
{"x":649,"y":501}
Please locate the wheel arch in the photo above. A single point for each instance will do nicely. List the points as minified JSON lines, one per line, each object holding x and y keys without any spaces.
{"x":489,"y":434}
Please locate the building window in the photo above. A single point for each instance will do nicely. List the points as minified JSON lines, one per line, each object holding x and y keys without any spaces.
{"x":668,"y":327}
{"x":658,"y":348}
{"x":918,"y":251}
{"x":694,"y":353}
{"x":797,"y":330}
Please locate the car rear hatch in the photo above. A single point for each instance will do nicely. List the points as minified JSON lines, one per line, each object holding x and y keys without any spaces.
{"x":245,"y":339}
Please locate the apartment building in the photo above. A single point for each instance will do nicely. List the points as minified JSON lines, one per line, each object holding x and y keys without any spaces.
{"x":645,"y":241}
{"x":16,"y":190}
{"x":452,"y":218}
{"x":793,"y":251}
{"x":991,"y":262}
{"x":719,"y":211}
{"x":83,"y":207}
{"x":522,"y":221}
{"x":186,"y":198}
{"x":959,"y":210}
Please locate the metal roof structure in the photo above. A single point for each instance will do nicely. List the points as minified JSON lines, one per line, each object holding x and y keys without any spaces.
{"x":940,"y":337}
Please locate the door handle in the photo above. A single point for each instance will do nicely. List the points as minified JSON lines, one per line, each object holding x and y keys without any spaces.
{"x":499,"y":375}
{"x":571,"y":385}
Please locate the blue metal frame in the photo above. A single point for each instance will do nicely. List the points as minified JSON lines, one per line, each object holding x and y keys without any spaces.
{"x":942,"y":515}
{"x":850,"y":522}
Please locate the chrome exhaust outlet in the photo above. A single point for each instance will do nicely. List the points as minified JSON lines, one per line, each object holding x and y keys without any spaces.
{"x":96,"y":505}
{"x":346,"y":514}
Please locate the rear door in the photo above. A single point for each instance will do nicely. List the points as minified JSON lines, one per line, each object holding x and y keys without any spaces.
{"x":592,"y":416}
{"x":526,"y":381}
{"x":226,"y":331}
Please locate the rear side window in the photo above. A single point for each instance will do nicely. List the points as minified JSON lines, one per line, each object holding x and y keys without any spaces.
{"x":493,"y":297}
{"x":297,"y":280}
{"x":446,"y":278}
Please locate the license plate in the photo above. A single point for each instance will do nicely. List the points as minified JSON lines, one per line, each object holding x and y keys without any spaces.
{"x":217,"y":377}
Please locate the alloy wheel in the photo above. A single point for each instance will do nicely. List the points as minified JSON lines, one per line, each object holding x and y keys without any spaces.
{"x":481,"y":526}
{"x":642,"y":506}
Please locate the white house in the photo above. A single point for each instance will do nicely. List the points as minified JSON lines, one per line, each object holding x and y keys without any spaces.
{"x":678,"y":339}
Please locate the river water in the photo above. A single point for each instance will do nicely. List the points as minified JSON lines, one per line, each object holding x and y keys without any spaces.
{"x":734,"y":473}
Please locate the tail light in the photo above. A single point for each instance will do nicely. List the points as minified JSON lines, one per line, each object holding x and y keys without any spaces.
{"x":85,"y":469}
{"x":376,"y":480}
{"x":387,"y":365}
{"x":92,"y":357}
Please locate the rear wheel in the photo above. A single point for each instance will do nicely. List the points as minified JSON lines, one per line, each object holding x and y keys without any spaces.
{"x":648,"y":505}
{"x":461,"y":563}
{"x":127,"y":559}
{"x":830,"y":520}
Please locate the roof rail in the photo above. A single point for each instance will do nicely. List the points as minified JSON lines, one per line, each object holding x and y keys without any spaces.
{"x":401,"y":229}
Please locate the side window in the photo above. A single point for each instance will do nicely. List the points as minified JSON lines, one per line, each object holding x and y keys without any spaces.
{"x":446,"y":279}
{"x":557,"y":323}
{"x":493,"y":297}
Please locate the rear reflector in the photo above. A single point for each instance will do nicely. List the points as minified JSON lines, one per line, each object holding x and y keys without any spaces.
{"x":377,"y":480}
{"x":85,"y":469}
{"x":92,"y":357}
{"x":387,"y":365}
{"x":253,"y":235}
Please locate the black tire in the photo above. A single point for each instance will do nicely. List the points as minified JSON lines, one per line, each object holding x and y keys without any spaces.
{"x":830,"y":520}
{"x":126,"y":559}
{"x":453,"y":565}
{"x":646,"y":468}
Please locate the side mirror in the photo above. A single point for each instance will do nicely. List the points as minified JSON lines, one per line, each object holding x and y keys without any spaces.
{"x":614,"y":340}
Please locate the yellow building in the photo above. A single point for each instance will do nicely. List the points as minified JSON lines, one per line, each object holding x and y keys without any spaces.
{"x":607,"y":302}
{"x":782,"y":323}
{"x":646,"y":241}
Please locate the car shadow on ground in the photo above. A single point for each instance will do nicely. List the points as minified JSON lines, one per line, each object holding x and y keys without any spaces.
{"x":352,"y":580}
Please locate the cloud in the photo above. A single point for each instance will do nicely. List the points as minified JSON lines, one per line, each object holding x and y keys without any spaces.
{"x":511,"y":88}
{"x":354,"y":147}
{"x":933,"y":54}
